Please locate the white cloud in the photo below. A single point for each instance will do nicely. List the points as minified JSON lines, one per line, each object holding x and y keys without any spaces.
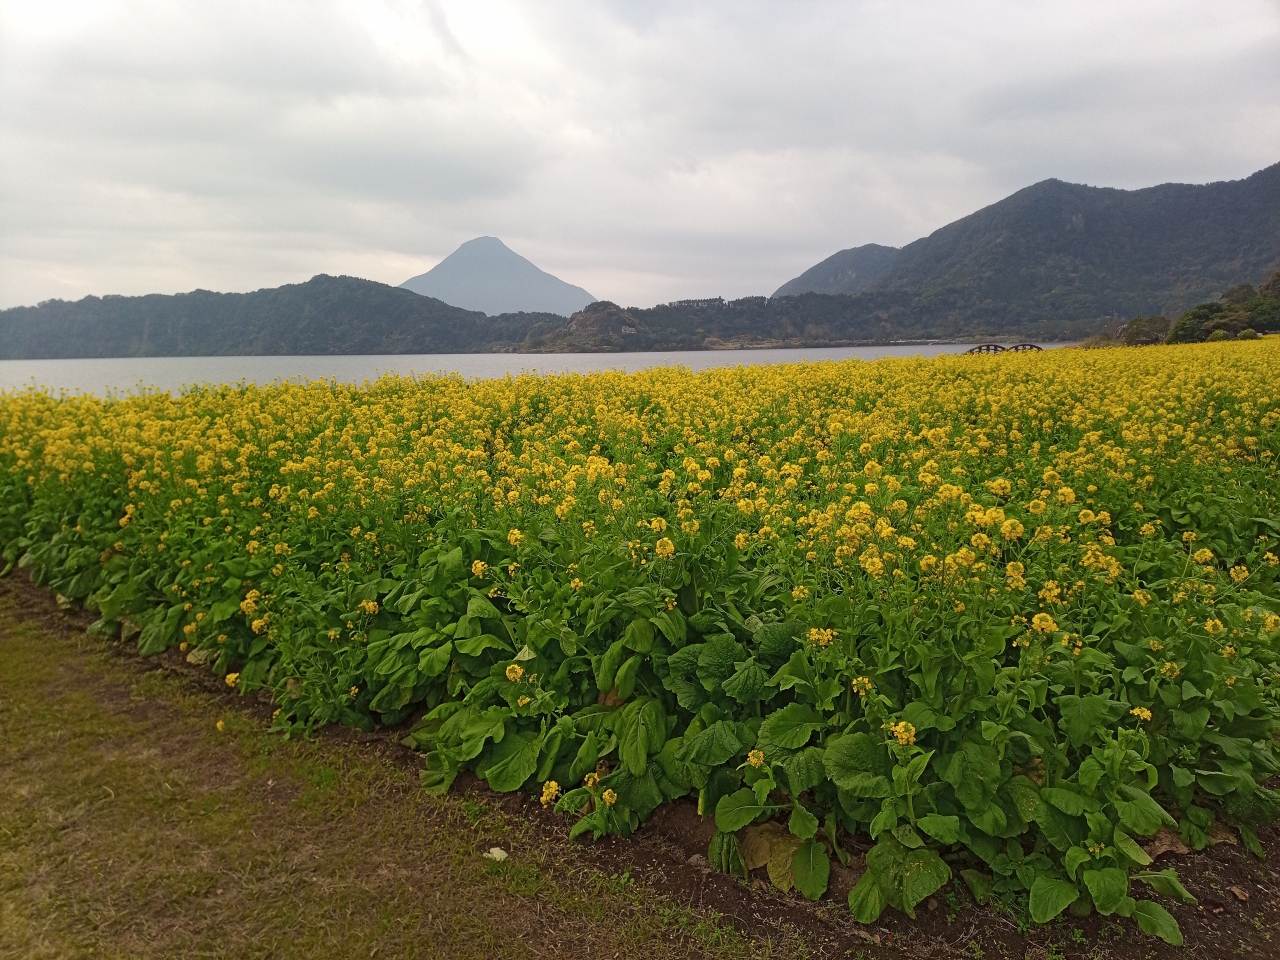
{"x":646,"y":151}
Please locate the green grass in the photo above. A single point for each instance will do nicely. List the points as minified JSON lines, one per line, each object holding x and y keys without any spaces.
{"x":131,"y":827}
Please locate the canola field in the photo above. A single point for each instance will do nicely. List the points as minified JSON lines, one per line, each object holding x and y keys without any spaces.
{"x":1005,"y":616}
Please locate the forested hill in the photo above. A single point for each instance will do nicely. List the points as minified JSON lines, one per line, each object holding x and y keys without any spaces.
{"x":325,"y":315}
{"x":345,"y":315}
{"x":1065,"y":252}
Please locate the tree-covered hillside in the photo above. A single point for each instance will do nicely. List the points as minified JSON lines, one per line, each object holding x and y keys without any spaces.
{"x":325,"y":315}
{"x":1064,"y":251}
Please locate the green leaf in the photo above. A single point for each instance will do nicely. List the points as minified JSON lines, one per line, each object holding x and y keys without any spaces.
{"x":586,"y":759}
{"x":777,"y":641}
{"x":642,"y":731}
{"x":789,"y":728}
{"x":479,"y":607}
{"x":639,"y":636}
{"x":860,"y":764}
{"x":625,"y":680}
{"x":973,"y":772}
{"x":513,"y":762}
{"x":607,"y":664}
{"x":802,"y":824}
{"x":1068,"y":801}
{"x":672,"y":624}
{"x":1129,"y":847}
{"x":1074,"y":859}
{"x":432,"y":663}
{"x":715,"y":662}
{"x":1154,"y":920}
{"x":747,"y":685}
{"x":945,"y":830}
{"x":804,"y":770}
{"x":739,"y":809}
{"x":715,"y":745}
{"x":979,"y":884}
{"x":811,"y":868}
{"x":1050,"y":897}
{"x":923,"y":874}
{"x":1084,"y":717}
{"x":725,"y":854}
{"x":866,"y":900}
{"x":1141,"y":814}
{"x":474,"y":646}
{"x":1108,"y":887}
{"x":1166,"y":883}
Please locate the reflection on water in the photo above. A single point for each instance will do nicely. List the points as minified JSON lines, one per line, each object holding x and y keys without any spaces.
{"x":173,"y":373}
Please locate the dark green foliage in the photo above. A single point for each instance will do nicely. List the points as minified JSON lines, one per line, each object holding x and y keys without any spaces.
{"x":325,"y":315}
{"x":1067,"y":252}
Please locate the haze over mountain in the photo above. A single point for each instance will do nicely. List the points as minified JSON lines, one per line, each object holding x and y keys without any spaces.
{"x":1066,"y":251}
{"x":485,"y":274}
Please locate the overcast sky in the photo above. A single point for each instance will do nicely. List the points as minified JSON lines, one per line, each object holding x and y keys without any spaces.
{"x":648,"y":151}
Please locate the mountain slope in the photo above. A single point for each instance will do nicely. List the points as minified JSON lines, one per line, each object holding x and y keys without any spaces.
{"x":1074,"y":252}
{"x":849,"y":271}
{"x":485,"y":274}
{"x":325,"y":315}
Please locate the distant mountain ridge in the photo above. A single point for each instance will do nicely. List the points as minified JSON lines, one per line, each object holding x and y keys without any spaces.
{"x":1071,"y":252}
{"x":485,"y":274}
{"x":1055,"y":261}
{"x":323,"y":316}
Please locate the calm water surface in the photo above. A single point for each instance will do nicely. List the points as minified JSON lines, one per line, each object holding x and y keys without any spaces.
{"x":174,"y":373}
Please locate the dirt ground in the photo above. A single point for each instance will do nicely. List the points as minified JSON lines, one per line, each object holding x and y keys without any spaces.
{"x":132,"y":826}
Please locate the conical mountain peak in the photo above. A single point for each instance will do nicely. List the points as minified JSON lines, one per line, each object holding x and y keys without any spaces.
{"x":485,"y":274}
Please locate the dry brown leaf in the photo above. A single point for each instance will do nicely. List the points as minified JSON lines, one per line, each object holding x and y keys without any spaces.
{"x":610,"y":699}
{"x":756,"y":843}
{"x":1219,"y":832}
{"x":780,"y":861}
{"x":1166,"y":841}
{"x":1241,"y":895}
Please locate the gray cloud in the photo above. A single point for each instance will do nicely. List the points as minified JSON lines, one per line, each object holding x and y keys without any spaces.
{"x":646,"y":151}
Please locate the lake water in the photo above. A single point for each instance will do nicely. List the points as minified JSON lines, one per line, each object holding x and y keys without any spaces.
{"x":173,"y":373}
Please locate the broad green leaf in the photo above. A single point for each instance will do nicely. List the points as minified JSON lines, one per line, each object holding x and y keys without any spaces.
{"x":1129,"y":847}
{"x":811,"y":868}
{"x":1108,"y":887}
{"x":777,"y":641}
{"x":804,"y":770}
{"x":432,"y":663}
{"x":1166,"y":883}
{"x":802,"y":824}
{"x":639,"y":636}
{"x":1141,"y":814}
{"x":642,"y":732}
{"x":1156,"y":921}
{"x":923,"y":874}
{"x":739,"y":809}
{"x":479,"y":607}
{"x":715,"y":662}
{"x":513,"y":762}
{"x":979,"y":884}
{"x":474,"y":646}
{"x":789,"y":728}
{"x":945,"y":830}
{"x":1067,"y":801}
{"x":858,"y":763}
{"x":747,"y":685}
{"x":625,"y":680}
{"x":867,"y":900}
{"x":715,"y":745}
{"x":1082,"y":718}
{"x":1050,"y":897}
